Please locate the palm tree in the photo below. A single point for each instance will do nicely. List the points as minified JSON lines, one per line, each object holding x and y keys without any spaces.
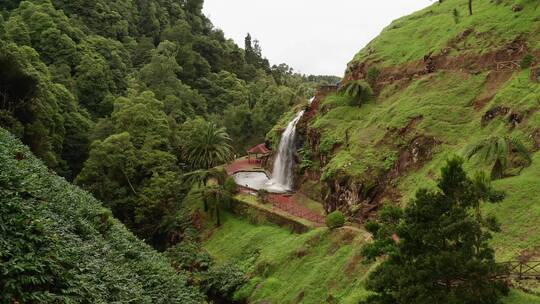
{"x":203,"y":177}
{"x":359,"y":90}
{"x":212,"y":148}
{"x":497,"y":150}
{"x":218,"y":197}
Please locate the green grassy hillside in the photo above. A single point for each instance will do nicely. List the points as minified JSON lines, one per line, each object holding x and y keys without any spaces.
{"x":292,"y":268}
{"x":60,"y":245}
{"x":494,"y":24}
{"x":320,"y":266}
{"x":398,"y":141}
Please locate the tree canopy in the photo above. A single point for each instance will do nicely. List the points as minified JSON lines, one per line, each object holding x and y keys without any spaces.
{"x":436,"y":250}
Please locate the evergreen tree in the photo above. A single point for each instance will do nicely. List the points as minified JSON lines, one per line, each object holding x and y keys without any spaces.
{"x":436,"y":250}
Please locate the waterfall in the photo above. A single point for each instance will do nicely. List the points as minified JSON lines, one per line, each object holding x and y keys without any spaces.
{"x":282,"y":175}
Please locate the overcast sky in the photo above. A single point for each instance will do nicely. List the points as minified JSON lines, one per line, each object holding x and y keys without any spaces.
{"x":312,"y":36}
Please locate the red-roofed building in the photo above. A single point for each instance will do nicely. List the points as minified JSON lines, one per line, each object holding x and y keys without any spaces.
{"x":261,"y":154}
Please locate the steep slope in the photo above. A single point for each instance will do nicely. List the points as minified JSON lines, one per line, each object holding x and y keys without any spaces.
{"x":443,"y":80}
{"x":59,"y":244}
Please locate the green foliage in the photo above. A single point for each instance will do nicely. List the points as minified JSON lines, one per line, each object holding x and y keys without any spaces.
{"x":264,"y":196}
{"x":231,"y":186}
{"x":189,"y":256}
{"x":373,"y":75}
{"x":335,"y":220}
{"x":497,"y":150}
{"x":359,"y":90}
{"x":436,"y":250}
{"x":103,"y":50}
{"x":217,"y":281}
{"x":455,"y":14}
{"x":527,"y":61}
{"x":59,"y":244}
{"x":210,"y":148}
{"x":135,"y":171}
{"x":223,"y":281}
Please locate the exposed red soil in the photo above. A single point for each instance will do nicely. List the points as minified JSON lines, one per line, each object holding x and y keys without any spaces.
{"x":288,"y":204}
{"x":504,"y":60}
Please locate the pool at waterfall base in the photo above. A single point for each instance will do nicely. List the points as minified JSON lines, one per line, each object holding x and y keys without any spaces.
{"x":258,"y":180}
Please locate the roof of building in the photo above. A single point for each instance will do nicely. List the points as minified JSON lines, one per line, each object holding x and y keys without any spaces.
{"x":259,"y":149}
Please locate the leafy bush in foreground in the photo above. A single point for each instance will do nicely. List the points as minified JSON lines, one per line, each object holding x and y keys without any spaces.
{"x":59,"y":245}
{"x":335,"y":220}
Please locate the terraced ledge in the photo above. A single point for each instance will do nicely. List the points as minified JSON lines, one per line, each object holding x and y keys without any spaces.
{"x":248,"y":206}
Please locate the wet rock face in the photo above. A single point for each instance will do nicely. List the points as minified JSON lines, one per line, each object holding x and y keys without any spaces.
{"x":493,"y":113}
{"x":361,"y":199}
{"x":350,"y":197}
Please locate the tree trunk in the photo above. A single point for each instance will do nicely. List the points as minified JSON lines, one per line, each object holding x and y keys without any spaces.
{"x":470,"y":8}
{"x":218,"y":220}
{"x":129,"y":182}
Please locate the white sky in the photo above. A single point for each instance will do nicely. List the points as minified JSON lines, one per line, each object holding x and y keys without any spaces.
{"x":312,"y":36}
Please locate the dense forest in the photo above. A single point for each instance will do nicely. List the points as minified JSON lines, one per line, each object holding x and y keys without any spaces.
{"x":116,"y":95}
{"x":110,"y":93}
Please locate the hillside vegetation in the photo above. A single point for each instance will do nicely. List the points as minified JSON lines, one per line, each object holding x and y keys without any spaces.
{"x":427,"y":109}
{"x":113,"y":94}
{"x":442,"y":81}
{"x":60,"y":245}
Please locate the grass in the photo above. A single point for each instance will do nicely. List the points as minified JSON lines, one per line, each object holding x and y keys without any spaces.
{"x":432,"y":29}
{"x":292,"y":268}
{"x":444,"y":101}
{"x":314,"y":267}
{"x":519,"y":213}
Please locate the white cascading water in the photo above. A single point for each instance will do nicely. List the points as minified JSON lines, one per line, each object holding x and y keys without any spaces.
{"x":282,"y":175}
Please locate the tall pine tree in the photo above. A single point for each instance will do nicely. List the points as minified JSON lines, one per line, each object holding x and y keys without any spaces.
{"x":436,"y":250}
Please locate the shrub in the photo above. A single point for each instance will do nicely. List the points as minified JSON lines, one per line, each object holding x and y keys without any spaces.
{"x":455,"y":14}
{"x":223,"y":280}
{"x":373,"y":74}
{"x":527,"y":61}
{"x":231,"y":186}
{"x":335,"y":219}
{"x":359,"y":90}
{"x":189,"y":256}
